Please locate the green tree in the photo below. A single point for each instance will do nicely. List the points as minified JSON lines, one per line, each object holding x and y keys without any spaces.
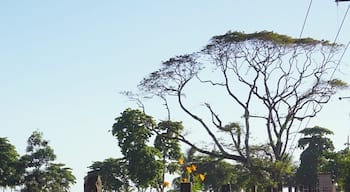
{"x":58,"y":177}
{"x":42,"y":175}
{"x":133,"y":129}
{"x":114,"y":174}
{"x":169,"y":146}
{"x":339,"y":165}
{"x":145,"y":163}
{"x":217,"y":172}
{"x":11,"y":170}
{"x":145,"y":167}
{"x":281,"y":75}
{"x":315,"y":146}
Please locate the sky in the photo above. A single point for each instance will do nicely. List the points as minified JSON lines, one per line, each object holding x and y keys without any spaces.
{"x":63,"y":63}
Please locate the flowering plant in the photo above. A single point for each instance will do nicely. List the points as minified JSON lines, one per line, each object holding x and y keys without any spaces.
{"x":190,"y":175}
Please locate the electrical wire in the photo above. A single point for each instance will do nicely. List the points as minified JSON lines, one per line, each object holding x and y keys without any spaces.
{"x":340,"y":27}
{"x":306,"y":17}
{"x":307,"y":107}
{"x":292,"y":149}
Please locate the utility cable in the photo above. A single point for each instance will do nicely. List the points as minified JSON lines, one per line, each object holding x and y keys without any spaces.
{"x":307,"y":15}
{"x":336,"y":67}
{"x":336,"y":37}
{"x":307,"y":107}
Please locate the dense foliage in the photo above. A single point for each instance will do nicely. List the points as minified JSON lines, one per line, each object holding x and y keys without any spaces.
{"x":316,"y":145}
{"x":147,"y":161}
{"x":42,"y":174}
{"x":11,"y":170}
{"x":36,"y":170}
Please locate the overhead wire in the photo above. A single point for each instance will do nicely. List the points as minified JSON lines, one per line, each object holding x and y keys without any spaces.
{"x":307,"y":15}
{"x":336,"y":67}
{"x":336,"y":38}
{"x":307,"y":107}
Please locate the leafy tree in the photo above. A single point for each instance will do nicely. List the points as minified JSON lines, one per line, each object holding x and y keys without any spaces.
{"x":217,"y":172}
{"x":315,"y":146}
{"x":285,"y":77}
{"x":114,"y":174}
{"x":11,"y":170}
{"x":168,"y":146}
{"x":339,"y":165}
{"x":134,"y":130}
{"x":145,"y":167}
{"x":42,"y":175}
{"x":58,"y":177}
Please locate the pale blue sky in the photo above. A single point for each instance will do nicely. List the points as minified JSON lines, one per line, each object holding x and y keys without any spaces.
{"x":62,"y":63}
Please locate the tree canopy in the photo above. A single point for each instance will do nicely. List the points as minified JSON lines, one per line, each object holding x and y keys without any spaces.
{"x":42,"y":174}
{"x":10,"y":168}
{"x":316,"y":145}
{"x":147,"y":161}
{"x":114,"y":174}
{"x":270,"y":81}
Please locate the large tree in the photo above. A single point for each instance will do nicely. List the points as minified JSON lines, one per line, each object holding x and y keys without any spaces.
{"x":271,"y":81}
{"x":42,"y":174}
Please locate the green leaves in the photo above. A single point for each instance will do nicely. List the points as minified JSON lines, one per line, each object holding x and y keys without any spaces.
{"x":114,"y":174}
{"x":133,"y":130}
{"x":315,"y":146}
{"x":42,"y":174}
{"x":266,"y":36}
{"x":146,"y":161}
{"x":145,"y":166}
{"x":166,"y":141}
{"x":10,"y":169}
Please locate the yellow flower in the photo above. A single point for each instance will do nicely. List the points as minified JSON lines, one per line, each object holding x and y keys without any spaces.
{"x":166,"y":184}
{"x":189,"y":169}
{"x":201,"y":177}
{"x":194,"y":167}
{"x":181,"y":161}
{"x":185,"y":180}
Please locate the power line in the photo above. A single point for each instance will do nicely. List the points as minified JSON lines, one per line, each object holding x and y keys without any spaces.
{"x":335,"y":40}
{"x":307,"y":107}
{"x":336,"y":67}
{"x":307,"y":15}
{"x":341,"y":57}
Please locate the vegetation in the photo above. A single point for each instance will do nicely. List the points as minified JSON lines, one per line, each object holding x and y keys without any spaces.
{"x":41,"y":173}
{"x":147,"y":161}
{"x":11,"y":170}
{"x":266,"y":80}
{"x":287,"y":79}
{"x":315,"y":146}
{"x":338,"y":164}
{"x":35,"y":171}
{"x":114,"y":174}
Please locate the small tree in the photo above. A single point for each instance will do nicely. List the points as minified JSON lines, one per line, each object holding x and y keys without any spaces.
{"x":42,"y":175}
{"x":315,"y":146}
{"x":114,"y":174}
{"x":147,"y":163}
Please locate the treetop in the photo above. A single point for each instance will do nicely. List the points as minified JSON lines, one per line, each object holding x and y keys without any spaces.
{"x":267,"y":36}
{"x":316,"y":130}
